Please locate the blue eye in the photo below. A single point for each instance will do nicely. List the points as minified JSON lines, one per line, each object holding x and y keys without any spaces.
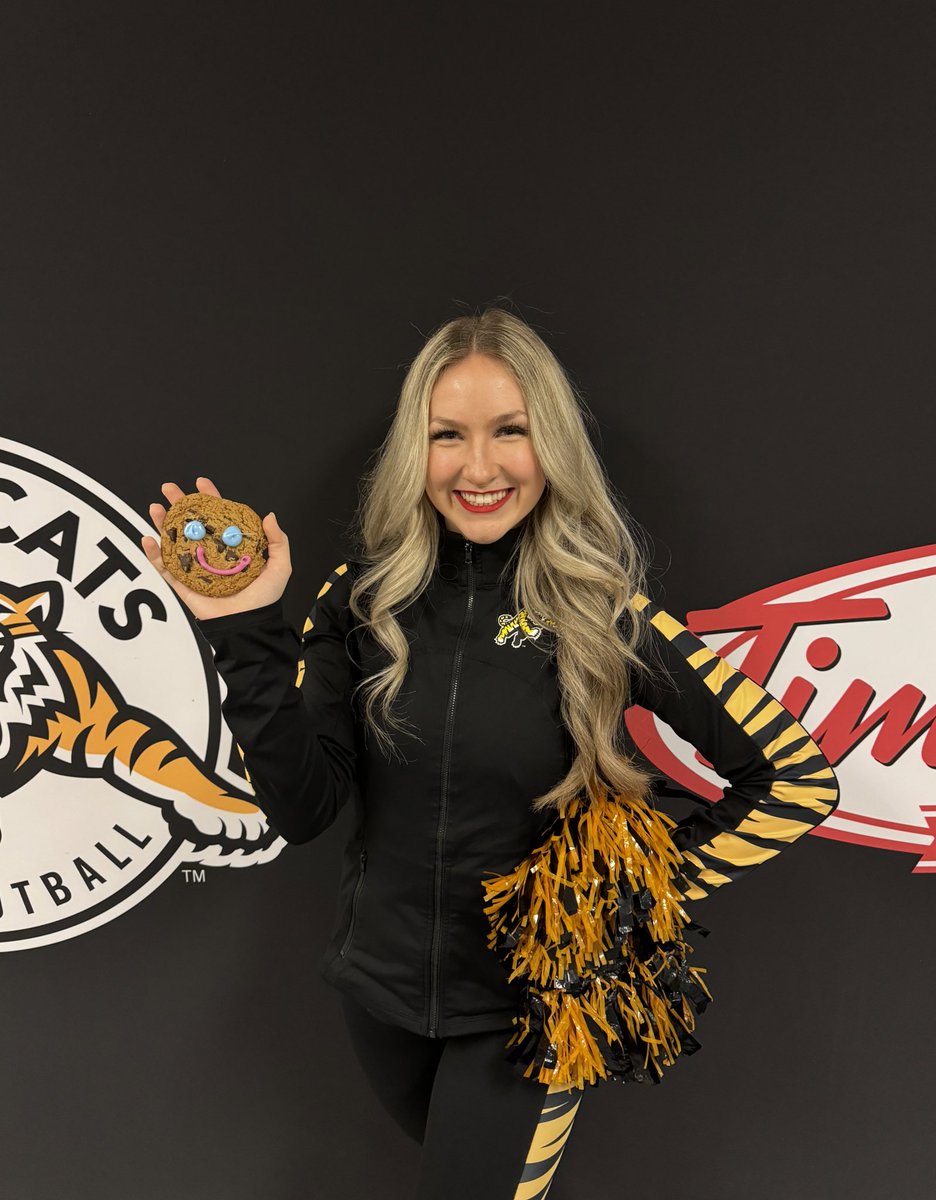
{"x":194,"y":530}
{"x":232,"y":536}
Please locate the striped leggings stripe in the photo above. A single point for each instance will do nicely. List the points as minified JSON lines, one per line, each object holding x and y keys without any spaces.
{"x":549,"y":1139}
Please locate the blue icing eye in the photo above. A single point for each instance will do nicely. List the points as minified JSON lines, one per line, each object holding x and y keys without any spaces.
{"x":232,"y":536}
{"x":194,"y":530}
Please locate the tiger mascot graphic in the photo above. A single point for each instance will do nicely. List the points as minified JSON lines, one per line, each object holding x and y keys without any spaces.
{"x":60,"y":712}
{"x":517,"y":628}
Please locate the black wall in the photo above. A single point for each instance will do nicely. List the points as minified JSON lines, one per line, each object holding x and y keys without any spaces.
{"x":226,"y":230}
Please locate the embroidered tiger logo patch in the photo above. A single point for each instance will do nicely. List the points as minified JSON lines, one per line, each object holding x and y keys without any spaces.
{"x":519,"y":628}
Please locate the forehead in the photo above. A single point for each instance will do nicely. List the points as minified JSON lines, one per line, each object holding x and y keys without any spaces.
{"x":477,"y":386}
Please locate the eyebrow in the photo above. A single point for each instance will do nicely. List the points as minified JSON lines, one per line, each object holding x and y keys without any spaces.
{"x":517,"y":412}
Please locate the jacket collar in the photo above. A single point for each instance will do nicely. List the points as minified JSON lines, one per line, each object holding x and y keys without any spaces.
{"x":487,"y":558}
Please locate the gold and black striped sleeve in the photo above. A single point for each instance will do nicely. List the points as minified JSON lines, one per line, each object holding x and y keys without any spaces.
{"x":308,"y":625}
{"x":780,"y":784}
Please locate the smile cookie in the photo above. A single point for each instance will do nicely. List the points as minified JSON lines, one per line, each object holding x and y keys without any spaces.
{"x":214,"y":546}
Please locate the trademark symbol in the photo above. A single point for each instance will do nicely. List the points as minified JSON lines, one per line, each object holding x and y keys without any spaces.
{"x":194,"y":874}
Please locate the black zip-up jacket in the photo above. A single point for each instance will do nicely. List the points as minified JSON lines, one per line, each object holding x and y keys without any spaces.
{"x":410,"y":941}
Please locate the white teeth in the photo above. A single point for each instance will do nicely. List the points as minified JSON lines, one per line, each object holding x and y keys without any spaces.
{"x":484,"y":498}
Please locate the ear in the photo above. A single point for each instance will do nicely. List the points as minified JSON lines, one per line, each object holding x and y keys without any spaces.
{"x":26,"y":609}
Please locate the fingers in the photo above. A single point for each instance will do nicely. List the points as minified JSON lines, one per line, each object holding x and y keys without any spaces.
{"x":157,"y":514}
{"x":203,"y":484}
{"x":272,"y":529}
{"x":151,"y":550}
{"x":172,"y":492}
{"x":277,"y":542}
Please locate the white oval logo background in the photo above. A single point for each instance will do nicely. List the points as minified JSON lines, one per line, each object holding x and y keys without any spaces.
{"x":114,"y":759}
{"x":848,"y":650}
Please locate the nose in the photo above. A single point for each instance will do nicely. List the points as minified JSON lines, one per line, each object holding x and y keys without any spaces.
{"x":480,"y":469}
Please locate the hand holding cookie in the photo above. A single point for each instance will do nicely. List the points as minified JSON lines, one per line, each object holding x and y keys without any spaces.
{"x":217,"y":554}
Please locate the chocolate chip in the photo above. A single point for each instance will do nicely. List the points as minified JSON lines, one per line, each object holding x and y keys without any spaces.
{"x":220,"y":545}
{"x":173,"y":532}
{"x":185,"y":561}
{"x":231,"y":555}
{"x":209,"y":530}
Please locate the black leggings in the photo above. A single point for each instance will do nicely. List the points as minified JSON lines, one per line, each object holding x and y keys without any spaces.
{"x":485,"y":1130}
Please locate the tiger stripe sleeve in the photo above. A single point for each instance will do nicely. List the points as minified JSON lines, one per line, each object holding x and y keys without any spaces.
{"x":780,"y":784}
{"x":288,"y":705}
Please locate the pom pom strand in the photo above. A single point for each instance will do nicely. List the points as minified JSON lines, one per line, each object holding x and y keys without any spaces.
{"x":591,"y":922}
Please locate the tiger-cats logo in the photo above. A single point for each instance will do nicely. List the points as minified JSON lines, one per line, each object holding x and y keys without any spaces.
{"x":115,"y":764}
{"x":519,"y":628}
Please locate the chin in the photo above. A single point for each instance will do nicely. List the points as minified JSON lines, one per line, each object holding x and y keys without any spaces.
{"x":486,"y":530}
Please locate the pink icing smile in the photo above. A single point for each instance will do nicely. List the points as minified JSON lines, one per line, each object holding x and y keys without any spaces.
{"x":242,"y":562}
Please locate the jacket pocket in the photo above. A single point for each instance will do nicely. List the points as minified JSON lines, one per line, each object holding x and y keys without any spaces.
{"x":354,"y":902}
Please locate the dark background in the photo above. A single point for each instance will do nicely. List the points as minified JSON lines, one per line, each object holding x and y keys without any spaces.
{"x":226,"y":230}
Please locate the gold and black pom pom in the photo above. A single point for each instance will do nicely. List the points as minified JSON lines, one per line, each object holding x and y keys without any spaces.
{"x":592,"y":924}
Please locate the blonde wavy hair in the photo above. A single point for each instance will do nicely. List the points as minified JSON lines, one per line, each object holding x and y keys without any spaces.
{"x":578,"y":561}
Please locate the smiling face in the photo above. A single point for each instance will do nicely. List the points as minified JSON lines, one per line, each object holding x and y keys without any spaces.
{"x":213,"y":545}
{"x":480,"y":451}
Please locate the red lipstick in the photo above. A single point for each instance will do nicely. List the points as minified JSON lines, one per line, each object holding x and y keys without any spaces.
{"x":484,"y":508}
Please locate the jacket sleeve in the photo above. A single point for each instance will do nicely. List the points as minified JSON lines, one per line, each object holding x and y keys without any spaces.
{"x":780,"y":784}
{"x":288,"y":705}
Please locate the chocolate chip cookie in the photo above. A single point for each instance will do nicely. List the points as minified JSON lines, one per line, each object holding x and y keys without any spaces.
{"x":213,"y":545}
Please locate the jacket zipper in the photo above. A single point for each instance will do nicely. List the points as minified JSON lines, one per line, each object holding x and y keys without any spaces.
{"x":354,"y":900}
{"x":443,"y":801}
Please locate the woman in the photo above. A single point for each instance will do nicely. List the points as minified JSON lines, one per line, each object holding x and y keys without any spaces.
{"x":461,"y":682}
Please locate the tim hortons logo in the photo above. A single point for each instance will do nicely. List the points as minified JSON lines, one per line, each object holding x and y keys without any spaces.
{"x":848,"y":651}
{"x":115,"y":764}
